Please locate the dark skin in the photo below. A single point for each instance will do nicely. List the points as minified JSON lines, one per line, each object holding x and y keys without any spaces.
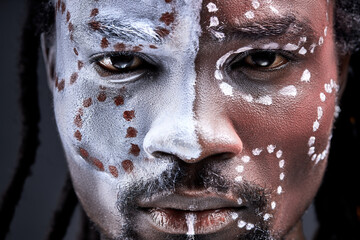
{"x":262,"y":127}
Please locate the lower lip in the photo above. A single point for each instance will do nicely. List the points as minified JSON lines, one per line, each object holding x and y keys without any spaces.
{"x":191,"y":222}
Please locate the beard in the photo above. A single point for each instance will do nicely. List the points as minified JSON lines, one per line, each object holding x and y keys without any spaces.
{"x":178,"y":177}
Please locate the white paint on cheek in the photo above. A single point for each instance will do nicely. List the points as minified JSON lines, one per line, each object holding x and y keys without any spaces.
{"x":320,"y":112}
{"x":247,"y":97}
{"x":249,"y":14}
{"x":238,"y":179}
{"x":274,"y":10}
{"x":311,"y":141}
{"x":249,"y":226}
{"x":239,"y":169}
{"x":214,"y":21}
{"x":282,"y":176}
{"x":273,"y":205}
{"x":255,"y":4}
{"x":279,"y":190}
{"x":218,"y":75}
{"x":311,"y":151}
{"x":306,"y":76}
{"x":240,"y":201}
{"x":328,"y":88}
{"x":325,"y":31}
{"x":313,"y":157}
{"x":226,"y":89}
{"x":265,"y":100}
{"x":321,"y":41}
{"x":267,"y":216}
{"x":245,"y":159}
{"x":322,"y":97}
{"x":271,"y":148}
{"x":256,"y":151}
{"x":212,"y":7}
{"x":337,"y":111}
{"x":316,"y":125}
{"x":234,"y":215}
{"x":302,"y":51}
{"x":289,"y":91}
{"x":279,"y":154}
{"x":312,"y":47}
{"x":290,"y":47}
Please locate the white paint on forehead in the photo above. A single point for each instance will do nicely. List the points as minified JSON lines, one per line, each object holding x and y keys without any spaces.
{"x":226,"y":89}
{"x":289,"y":91}
{"x":265,"y":100}
{"x":212,"y":7}
{"x":249,"y":14}
{"x":214,"y":21}
{"x":306,"y":76}
{"x":255,"y":4}
{"x":291,"y":47}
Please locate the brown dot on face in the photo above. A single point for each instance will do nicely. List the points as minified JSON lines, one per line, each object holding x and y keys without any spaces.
{"x":119,"y":100}
{"x":68,"y":16}
{"x":78,"y":120}
{"x":113,"y":170}
{"x":119,"y":47}
{"x":137,"y":49}
{"x":129,"y":115}
{"x":73,"y":78}
{"x":71,"y":27}
{"x":61,"y":85}
{"x":167,"y":18}
{"x":94,"y":12}
{"x":87,"y":102}
{"x":95,"y":25}
{"x":131,"y":132}
{"x":63,"y":7}
{"x":134,"y":150}
{"x":83,"y":153}
{"x":76,"y":52}
{"x":162,"y":32}
{"x":80,"y":65}
{"x":127,"y":165}
{"x":101,"y":97}
{"x":58,"y":4}
{"x":78,"y":135}
{"x":97,"y":163}
{"x":168,"y":1}
{"x":72,"y":37}
{"x":56,"y":81}
{"x":104,"y":43}
{"x":102,"y":88}
{"x":153,"y":46}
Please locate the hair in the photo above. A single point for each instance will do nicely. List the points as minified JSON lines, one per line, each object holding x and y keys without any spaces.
{"x":337,"y":202}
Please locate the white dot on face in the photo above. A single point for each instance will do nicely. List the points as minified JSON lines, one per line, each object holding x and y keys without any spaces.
{"x":325,"y":31}
{"x":226,"y":89}
{"x":320,"y":113}
{"x":279,"y":154}
{"x":311,"y":151}
{"x":271,"y":148}
{"x":249,"y":226}
{"x":238,"y":179}
{"x":256,"y":151}
{"x":212,"y":7}
{"x":316,"y":125}
{"x":218,"y":75}
{"x":234,"y":215}
{"x":267,"y":216}
{"x":249,"y":14}
{"x":302,"y":51}
{"x":306,"y":76}
{"x":265,"y":100}
{"x":318,"y":158}
{"x":282,"y":176}
{"x":312,"y":47}
{"x":321,"y":41}
{"x":240,"y":168}
{"x":281,"y":163}
{"x":274,"y":10}
{"x":313,"y":157}
{"x":289,"y":91}
{"x":279,"y":190}
{"x":241,"y":224}
{"x":322,"y":97}
{"x":214,"y":21}
{"x":245,"y":159}
{"x":290,"y":47}
{"x":218,"y":35}
{"x":247,"y":97}
{"x":255,"y":4}
{"x":273,"y":205}
{"x":311,"y":141}
{"x":240,"y":201}
{"x":328,"y":88}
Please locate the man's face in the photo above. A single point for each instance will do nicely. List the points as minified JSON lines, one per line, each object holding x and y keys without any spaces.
{"x":196,"y":118}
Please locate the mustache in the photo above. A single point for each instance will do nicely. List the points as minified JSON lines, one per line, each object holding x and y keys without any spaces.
{"x":179,"y":177}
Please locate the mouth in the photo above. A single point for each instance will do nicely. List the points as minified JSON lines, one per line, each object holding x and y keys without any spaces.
{"x":192,"y":213}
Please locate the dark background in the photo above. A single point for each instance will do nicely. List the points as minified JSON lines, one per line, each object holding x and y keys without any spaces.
{"x":43,"y":187}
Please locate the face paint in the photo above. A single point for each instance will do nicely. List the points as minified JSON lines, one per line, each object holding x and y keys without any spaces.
{"x":173,"y":113}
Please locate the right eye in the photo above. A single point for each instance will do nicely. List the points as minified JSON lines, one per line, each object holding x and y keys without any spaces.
{"x":122,"y":67}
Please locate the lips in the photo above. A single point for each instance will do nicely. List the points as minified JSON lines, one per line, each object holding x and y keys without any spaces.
{"x":191,"y":212}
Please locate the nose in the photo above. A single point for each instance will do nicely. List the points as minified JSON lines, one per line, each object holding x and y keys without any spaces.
{"x":192,"y":140}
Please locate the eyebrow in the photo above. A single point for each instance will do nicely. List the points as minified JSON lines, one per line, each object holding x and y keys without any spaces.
{"x":127,"y":30}
{"x":270,"y":27}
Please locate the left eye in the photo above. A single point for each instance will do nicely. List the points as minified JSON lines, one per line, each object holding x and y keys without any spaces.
{"x":264,"y":60}
{"x":121,"y":64}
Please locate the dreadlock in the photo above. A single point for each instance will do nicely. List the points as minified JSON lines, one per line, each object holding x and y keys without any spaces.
{"x":337,"y":202}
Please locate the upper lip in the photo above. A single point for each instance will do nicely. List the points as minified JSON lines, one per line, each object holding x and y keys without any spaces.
{"x":190,"y":201}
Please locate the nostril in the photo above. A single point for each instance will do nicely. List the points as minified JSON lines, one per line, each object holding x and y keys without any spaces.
{"x":160,"y":154}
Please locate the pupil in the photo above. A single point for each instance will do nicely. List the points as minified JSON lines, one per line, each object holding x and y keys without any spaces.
{"x":122,"y":62}
{"x":263,"y":59}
